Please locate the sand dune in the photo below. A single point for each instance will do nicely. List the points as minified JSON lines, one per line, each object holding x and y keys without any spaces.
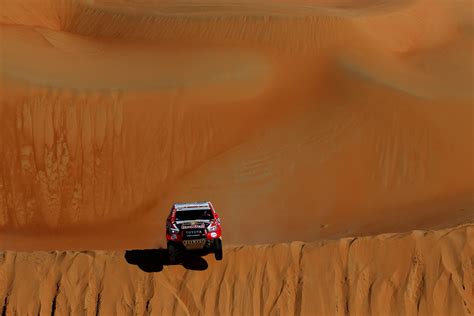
{"x":113,"y":112}
{"x":302,"y":121}
{"x":417,"y":273}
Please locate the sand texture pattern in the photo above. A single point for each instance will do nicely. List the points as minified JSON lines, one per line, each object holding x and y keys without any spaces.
{"x":357,"y":114}
{"x":417,"y":273}
{"x":309,"y":124}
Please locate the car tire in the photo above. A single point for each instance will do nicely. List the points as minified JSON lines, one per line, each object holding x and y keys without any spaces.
{"x":173,"y":253}
{"x":218,"y":249}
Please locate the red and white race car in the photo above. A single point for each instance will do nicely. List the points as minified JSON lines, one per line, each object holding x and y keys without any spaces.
{"x":193,"y":227}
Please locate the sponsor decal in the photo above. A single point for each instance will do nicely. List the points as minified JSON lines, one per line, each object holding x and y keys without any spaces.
{"x":193,"y":232}
{"x":213,"y":234}
{"x":189,"y":226}
{"x":194,"y":243}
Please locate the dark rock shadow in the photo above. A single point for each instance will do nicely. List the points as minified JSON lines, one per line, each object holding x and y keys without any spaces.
{"x":153,"y":260}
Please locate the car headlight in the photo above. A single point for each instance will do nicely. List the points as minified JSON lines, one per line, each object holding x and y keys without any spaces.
{"x":174,"y":229}
{"x":212,"y":228}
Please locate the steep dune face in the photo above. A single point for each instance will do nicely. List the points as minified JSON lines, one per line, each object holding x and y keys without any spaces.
{"x":325,"y":121}
{"x":418,"y":273}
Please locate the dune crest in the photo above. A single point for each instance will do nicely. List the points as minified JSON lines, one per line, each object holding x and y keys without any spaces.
{"x":417,"y":273}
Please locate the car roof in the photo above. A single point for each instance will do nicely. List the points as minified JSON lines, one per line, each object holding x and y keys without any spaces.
{"x":192,"y":206}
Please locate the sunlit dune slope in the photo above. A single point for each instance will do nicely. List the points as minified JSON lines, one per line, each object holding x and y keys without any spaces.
{"x":299,"y":120}
{"x":417,"y":273}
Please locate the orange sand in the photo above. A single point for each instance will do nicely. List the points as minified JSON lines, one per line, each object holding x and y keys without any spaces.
{"x":427,"y":273}
{"x":300,"y":120}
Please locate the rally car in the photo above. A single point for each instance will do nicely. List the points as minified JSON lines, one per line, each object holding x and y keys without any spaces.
{"x":193,"y":227}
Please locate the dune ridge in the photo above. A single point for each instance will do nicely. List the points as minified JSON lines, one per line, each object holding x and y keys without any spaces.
{"x":416,"y":273}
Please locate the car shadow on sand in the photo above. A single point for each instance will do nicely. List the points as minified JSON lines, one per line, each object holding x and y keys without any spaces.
{"x":153,"y":260}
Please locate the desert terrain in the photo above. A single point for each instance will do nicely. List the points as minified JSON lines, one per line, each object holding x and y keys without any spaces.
{"x":335,"y":139}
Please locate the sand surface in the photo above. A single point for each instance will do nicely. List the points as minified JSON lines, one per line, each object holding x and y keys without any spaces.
{"x":301,"y":121}
{"x":354,"y":116}
{"x":418,"y":273}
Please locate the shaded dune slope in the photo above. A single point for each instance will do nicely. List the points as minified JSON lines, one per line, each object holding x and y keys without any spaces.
{"x":111,"y":113}
{"x":417,"y":273}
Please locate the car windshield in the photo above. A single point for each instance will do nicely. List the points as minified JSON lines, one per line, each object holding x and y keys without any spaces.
{"x":187,"y":215}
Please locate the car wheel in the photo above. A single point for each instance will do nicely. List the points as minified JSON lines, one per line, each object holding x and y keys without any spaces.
{"x":218,"y":249}
{"x":173,"y":253}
